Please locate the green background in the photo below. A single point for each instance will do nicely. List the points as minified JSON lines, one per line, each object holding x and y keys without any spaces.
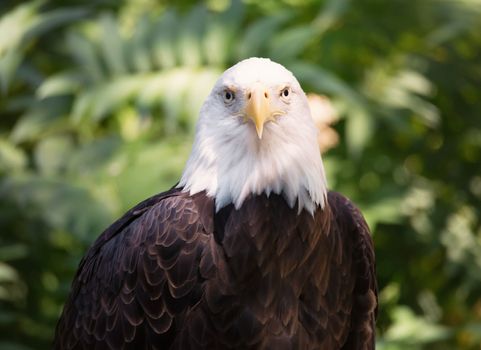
{"x":98,"y":103}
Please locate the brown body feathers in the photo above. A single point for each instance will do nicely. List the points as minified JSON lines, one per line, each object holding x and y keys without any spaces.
{"x":173,"y":274}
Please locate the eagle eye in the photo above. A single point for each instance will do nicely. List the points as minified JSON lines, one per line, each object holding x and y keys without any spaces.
{"x":228,"y":96}
{"x":285,"y":93}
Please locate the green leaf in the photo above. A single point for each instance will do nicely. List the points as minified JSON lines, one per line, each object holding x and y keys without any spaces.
{"x":99,"y":102}
{"x":16,"y":23}
{"x":51,"y":154}
{"x":112,"y":46}
{"x":359,"y":129}
{"x":85,"y":54}
{"x":189,"y":37}
{"x":409,"y":329}
{"x":13,"y":252}
{"x":48,"y":21}
{"x":60,"y":84}
{"x":330,"y":14}
{"x":42,"y":118}
{"x":253,"y":43}
{"x":7,"y":273}
{"x":92,"y":158}
{"x":324,"y":81}
{"x":221,"y":34}
{"x":156,"y":176}
{"x":59,"y":204}
{"x":138,"y":49}
{"x":12,"y":158}
{"x":24,"y":24}
{"x":291,"y":43}
{"x":165,"y":33}
{"x":172,"y":87}
{"x":9,"y":64}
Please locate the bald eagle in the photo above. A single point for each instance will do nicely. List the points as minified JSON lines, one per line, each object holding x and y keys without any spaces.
{"x":248,"y":251}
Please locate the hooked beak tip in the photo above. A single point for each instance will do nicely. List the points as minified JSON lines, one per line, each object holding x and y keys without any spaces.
{"x":259,"y":131}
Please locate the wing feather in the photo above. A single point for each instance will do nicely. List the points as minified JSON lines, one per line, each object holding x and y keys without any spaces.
{"x":139,"y":276}
{"x":360,"y":265}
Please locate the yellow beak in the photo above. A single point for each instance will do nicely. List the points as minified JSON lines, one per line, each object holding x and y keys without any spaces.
{"x":258,"y":107}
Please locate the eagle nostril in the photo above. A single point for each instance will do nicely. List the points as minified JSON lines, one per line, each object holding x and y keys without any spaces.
{"x":249,"y":96}
{"x":266,"y":95}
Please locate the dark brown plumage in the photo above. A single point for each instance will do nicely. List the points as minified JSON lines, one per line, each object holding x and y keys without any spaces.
{"x":173,"y":274}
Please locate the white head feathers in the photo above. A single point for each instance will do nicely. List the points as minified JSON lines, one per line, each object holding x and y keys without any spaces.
{"x":230,"y":161}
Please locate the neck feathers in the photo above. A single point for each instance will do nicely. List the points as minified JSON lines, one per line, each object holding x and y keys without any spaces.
{"x":232,"y":166}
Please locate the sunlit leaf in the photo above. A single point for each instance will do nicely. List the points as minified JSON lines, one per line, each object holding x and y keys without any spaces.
{"x":359,"y":129}
{"x":12,"y":158}
{"x":7,"y":273}
{"x":52,"y":154}
{"x":61,"y":84}
{"x":409,"y":329}
{"x":23,"y":25}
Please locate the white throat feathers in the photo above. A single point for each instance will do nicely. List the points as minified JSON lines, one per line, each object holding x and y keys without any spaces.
{"x":255,"y":135}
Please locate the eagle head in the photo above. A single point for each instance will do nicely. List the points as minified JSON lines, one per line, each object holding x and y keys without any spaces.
{"x":255,"y":135}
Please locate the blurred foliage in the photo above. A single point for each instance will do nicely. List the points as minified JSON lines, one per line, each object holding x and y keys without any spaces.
{"x":98,"y":105}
